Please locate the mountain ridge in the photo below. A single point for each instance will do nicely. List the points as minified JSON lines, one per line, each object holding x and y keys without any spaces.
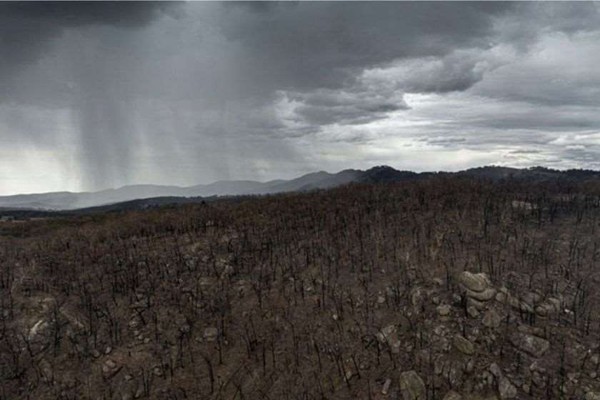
{"x":65,"y":200}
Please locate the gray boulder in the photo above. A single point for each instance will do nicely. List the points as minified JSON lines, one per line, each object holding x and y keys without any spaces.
{"x":452,"y":395}
{"x":412,"y":386}
{"x":474,"y":282}
{"x":532,"y":345}
{"x":491,"y":319}
{"x":463,"y":345}
{"x":506,"y":389}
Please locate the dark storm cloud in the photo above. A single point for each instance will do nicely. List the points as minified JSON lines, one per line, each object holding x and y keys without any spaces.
{"x":317,"y":50}
{"x":27,"y":27}
{"x":28,"y":31}
{"x":354,"y":106}
{"x":63,"y":14}
{"x":315,"y":45}
{"x":201,"y":91}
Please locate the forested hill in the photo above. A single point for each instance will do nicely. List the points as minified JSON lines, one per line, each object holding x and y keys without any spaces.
{"x":445,"y":288}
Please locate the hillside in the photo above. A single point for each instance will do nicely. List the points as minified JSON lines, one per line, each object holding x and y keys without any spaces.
{"x":445,"y":288}
{"x":318,"y":180}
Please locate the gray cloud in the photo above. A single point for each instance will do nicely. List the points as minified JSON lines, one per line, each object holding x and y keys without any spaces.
{"x":26,"y":28}
{"x":315,"y":45}
{"x":359,"y":105}
{"x":66,"y":14}
{"x":29,"y":31}
{"x":190,"y":92}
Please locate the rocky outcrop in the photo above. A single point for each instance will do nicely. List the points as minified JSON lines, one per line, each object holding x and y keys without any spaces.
{"x":478,"y":290}
{"x":506,"y":389}
{"x":463,"y":345}
{"x":548,"y":307}
{"x":491,"y":319}
{"x":412,"y":386}
{"x":532,"y":345}
{"x":474,"y":282}
{"x":452,"y":395}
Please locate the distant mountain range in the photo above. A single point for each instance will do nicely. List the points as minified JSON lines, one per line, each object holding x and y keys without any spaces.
{"x":317,"y":180}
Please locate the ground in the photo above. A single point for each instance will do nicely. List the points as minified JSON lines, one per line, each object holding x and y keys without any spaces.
{"x":444,"y":289}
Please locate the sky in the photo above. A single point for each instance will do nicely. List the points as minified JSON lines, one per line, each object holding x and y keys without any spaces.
{"x":95,"y":95}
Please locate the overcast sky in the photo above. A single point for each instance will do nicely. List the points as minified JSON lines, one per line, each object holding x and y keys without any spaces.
{"x":99,"y":95}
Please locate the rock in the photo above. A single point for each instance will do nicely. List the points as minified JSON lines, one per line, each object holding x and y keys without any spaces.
{"x":506,"y":389}
{"x":412,"y":386}
{"x":456,"y":299}
{"x":73,"y":317}
{"x":443,"y":310}
{"x":472,"y":312}
{"x":532,"y":330}
{"x":543,"y":310}
{"x":390,"y":331}
{"x":474,"y":282}
{"x":472,"y":396}
{"x":478,"y":305}
{"x":46,"y":371}
{"x":592,"y":396}
{"x":452,"y":395}
{"x":550,"y":306}
{"x":416,"y":296}
{"x":39,"y":328}
{"x":386,"y":386}
{"x":538,"y":380}
{"x":531,"y":298}
{"x":211,"y":334}
{"x":348,"y":375}
{"x":469,"y":366}
{"x":110,"y":368}
{"x":463,"y":345}
{"x":501,"y":297}
{"x":491,"y":319}
{"x":395,"y":347}
{"x":536,"y":367}
{"x":556,"y":303}
{"x":525,"y":307}
{"x":513,"y":301}
{"x":389,"y":336}
{"x":495,"y":370}
{"x":485,"y":295}
{"x":530,"y":344}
